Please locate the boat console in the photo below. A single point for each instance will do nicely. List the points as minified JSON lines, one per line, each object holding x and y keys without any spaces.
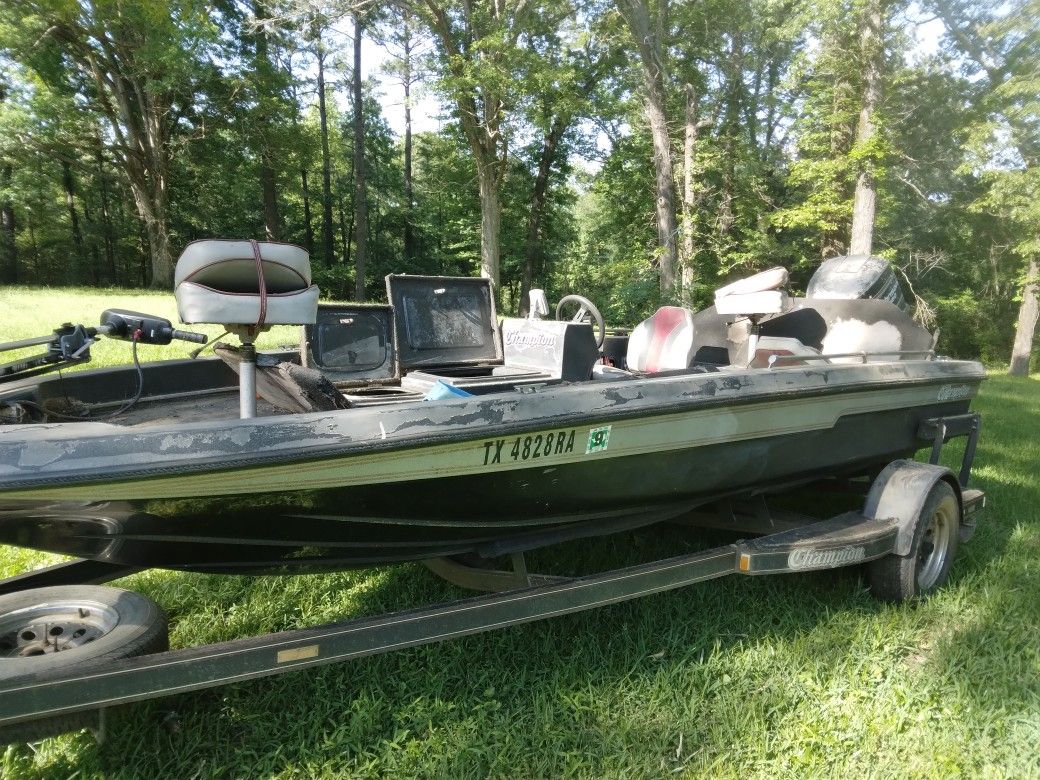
{"x":448,"y":332}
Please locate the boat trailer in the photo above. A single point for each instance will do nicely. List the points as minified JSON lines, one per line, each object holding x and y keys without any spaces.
{"x":41,"y":705}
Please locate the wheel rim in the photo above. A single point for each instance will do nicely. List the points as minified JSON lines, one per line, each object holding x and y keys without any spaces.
{"x":935,"y":546}
{"x":54,"y":627}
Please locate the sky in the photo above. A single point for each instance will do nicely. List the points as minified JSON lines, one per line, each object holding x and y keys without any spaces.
{"x":426,"y":108}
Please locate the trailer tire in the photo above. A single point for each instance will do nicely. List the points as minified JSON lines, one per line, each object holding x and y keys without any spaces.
{"x":47,"y":631}
{"x":926,"y":566}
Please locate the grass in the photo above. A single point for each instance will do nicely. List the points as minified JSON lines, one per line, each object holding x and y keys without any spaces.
{"x":26,"y":312}
{"x":743,"y":677}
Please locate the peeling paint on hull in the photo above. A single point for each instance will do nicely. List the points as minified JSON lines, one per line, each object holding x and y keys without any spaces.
{"x":367,"y":486}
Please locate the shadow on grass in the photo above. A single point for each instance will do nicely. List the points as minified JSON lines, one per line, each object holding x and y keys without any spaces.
{"x":477,"y":703}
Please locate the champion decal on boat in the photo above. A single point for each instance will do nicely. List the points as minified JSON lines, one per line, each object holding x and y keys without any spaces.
{"x":545,"y":444}
{"x":954,"y":392}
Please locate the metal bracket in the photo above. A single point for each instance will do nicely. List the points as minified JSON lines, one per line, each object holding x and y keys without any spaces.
{"x":77,"y":572}
{"x":476,"y":578}
{"x":939,"y":430}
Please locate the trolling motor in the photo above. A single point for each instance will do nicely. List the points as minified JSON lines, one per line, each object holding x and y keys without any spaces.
{"x":69,"y":345}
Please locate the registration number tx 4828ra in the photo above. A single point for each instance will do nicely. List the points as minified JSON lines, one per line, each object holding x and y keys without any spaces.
{"x":545,"y":444}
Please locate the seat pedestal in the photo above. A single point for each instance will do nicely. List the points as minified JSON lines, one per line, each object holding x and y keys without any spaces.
{"x":247,"y":382}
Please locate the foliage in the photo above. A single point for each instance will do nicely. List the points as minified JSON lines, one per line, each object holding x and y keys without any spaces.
{"x":555,"y":89}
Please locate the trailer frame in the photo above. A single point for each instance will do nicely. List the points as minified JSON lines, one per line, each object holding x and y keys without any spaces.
{"x":44,"y":704}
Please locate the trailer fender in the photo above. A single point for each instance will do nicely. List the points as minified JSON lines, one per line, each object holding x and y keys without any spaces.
{"x":899,"y":493}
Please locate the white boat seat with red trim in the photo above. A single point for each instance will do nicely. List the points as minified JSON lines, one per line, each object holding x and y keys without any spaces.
{"x":250,"y":283}
{"x":758,"y":294}
{"x":662,"y":343}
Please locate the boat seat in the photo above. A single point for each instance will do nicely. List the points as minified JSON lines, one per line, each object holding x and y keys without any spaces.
{"x":757,"y":294}
{"x":246,"y":286}
{"x":664,"y":342}
{"x":245,"y":283}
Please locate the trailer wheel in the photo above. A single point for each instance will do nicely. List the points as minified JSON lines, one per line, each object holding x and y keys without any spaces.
{"x":927,"y":566}
{"x":48,"y":630}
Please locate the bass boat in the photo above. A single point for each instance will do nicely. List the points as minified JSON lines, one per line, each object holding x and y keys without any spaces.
{"x":428,"y":427}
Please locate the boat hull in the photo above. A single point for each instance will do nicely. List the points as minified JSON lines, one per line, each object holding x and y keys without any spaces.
{"x":492,"y":487}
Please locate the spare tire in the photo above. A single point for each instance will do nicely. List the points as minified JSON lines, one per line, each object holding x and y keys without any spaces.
{"x":49,"y":630}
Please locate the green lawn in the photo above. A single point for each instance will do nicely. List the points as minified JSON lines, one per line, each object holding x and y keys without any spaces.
{"x":743,"y":677}
{"x":35,"y":311}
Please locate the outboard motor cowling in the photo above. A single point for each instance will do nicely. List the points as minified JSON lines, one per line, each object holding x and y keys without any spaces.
{"x":857,"y":276}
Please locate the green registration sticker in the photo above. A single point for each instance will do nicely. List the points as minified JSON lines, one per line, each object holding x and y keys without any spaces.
{"x":598,"y":439}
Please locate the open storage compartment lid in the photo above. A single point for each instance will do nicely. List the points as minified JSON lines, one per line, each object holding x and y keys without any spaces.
{"x":444,"y":321}
{"x":352,"y":343}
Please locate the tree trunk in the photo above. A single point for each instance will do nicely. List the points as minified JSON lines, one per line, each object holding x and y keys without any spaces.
{"x":158,"y":233}
{"x":730,"y":131}
{"x":34,"y":246}
{"x":689,"y":274}
{"x":268,"y":188}
{"x":536,"y":215}
{"x":327,"y":239}
{"x":348,"y":232}
{"x":863,"y":204}
{"x":490,"y":220}
{"x":308,"y":229}
{"x":69,"y":186}
{"x":8,"y":247}
{"x":106,"y":214}
{"x":653,"y":50}
{"x":409,"y":194}
{"x":360,"y":195}
{"x":152,"y":208}
{"x":1027,"y":316}
{"x":268,"y":179}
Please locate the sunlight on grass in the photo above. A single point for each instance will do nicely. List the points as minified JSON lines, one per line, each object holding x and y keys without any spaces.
{"x":36,"y":311}
{"x":753,"y":677}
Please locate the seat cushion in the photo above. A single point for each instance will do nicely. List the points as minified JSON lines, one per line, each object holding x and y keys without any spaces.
{"x":197,"y":303}
{"x":664,"y":342}
{"x":232,"y":282}
{"x":229,"y":265}
{"x":760,"y":282}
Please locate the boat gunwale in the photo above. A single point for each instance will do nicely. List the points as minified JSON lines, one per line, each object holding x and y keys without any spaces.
{"x":429,"y":436}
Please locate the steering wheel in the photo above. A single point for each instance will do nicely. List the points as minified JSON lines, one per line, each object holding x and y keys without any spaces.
{"x":585,"y":309}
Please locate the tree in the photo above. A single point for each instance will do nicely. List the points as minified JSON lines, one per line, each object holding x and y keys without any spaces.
{"x":872,"y":55}
{"x":8,"y":244}
{"x":360,"y":192}
{"x":1002,"y":45}
{"x":136,"y":65}
{"x":571,"y":69}
{"x":267,"y":82}
{"x":482,"y":72}
{"x":405,"y":46}
{"x":650,"y":33}
{"x":327,"y":237}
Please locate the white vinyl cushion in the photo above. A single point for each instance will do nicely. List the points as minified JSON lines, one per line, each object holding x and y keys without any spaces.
{"x":216,"y":281}
{"x":760,"y":282}
{"x":767,"y":302}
